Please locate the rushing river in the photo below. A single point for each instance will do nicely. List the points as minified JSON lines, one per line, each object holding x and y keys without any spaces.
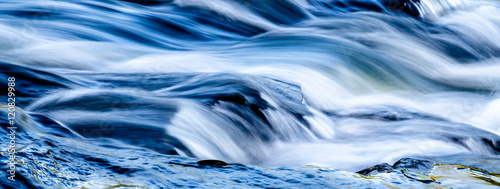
{"x":343,"y":84}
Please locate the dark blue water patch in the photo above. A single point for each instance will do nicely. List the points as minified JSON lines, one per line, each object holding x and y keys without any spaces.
{"x":334,"y":7}
{"x":179,"y":28}
{"x":408,"y":7}
{"x":168,"y":27}
{"x":279,"y":12}
{"x":144,"y":81}
{"x":103,"y":101}
{"x":206,"y":87}
{"x":49,"y":126}
{"x":21,"y":181}
{"x":358,"y":5}
{"x":139,"y":135}
{"x":30,"y":14}
{"x":127,"y":34}
{"x":30,"y":83}
{"x":494,"y":143}
{"x":219,"y":87}
{"x":149,"y":2}
{"x":104,"y":115}
{"x":102,"y":6}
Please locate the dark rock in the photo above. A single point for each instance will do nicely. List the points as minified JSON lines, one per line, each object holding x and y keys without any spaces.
{"x":212,"y":163}
{"x":376,"y":169}
{"x":423,"y":167}
{"x":182,"y":164}
{"x":411,"y":168}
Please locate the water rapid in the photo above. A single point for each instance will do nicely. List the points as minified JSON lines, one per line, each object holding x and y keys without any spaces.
{"x":344,"y":84}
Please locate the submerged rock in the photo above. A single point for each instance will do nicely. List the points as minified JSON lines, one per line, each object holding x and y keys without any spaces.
{"x":202,"y":163}
{"x":423,"y":167}
{"x":212,"y":163}
{"x":376,"y":169}
{"x":459,"y":176}
{"x":417,"y":176}
{"x":411,"y":168}
{"x":409,"y":165}
{"x":436,"y":174}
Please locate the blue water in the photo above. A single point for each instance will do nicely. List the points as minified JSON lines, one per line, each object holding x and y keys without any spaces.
{"x":108,"y":92}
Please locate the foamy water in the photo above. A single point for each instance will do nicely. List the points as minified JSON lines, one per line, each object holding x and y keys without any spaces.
{"x":310,"y":83}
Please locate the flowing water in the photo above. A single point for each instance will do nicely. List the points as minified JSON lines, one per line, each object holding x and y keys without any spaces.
{"x":344,"y":84}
